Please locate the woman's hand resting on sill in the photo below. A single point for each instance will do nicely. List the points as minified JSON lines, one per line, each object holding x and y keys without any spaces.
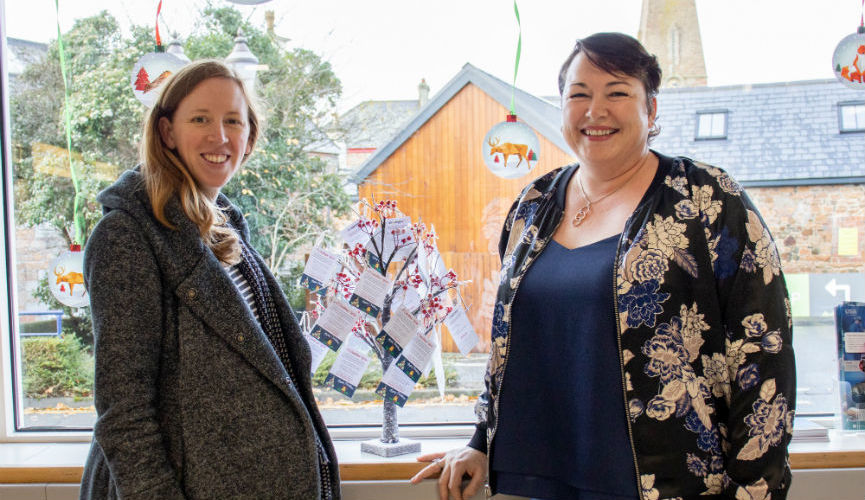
{"x":451,"y":467}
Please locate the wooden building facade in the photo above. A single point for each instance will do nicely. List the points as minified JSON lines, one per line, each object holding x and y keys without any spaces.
{"x":435,"y":170}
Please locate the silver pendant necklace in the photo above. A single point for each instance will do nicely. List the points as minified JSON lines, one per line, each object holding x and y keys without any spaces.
{"x":582,"y":213}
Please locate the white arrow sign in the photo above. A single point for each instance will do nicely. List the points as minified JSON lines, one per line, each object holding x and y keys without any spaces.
{"x":833,"y":288}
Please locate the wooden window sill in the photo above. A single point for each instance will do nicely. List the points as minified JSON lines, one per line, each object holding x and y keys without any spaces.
{"x":63,"y":462}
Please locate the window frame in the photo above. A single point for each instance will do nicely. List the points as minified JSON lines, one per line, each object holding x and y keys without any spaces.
{"x":847,"y":104}
{"x":722,"y":112}
{"x":9,"y":380}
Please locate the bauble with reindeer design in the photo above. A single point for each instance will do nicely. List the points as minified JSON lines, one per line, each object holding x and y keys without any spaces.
{"x":511,"y":149}
{"x":66,"y":278}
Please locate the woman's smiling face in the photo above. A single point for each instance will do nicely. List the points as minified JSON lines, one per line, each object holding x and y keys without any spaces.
{"x":605,"y":117}
{"x":210,"y":132}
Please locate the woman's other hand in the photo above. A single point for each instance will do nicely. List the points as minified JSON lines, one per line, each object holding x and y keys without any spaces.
{"x":452,"y":466}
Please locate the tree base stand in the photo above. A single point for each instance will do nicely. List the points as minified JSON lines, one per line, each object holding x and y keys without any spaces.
{"x":403,"y":447}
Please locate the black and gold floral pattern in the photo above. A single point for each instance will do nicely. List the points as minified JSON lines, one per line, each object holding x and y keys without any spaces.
{"x":704,"y":328}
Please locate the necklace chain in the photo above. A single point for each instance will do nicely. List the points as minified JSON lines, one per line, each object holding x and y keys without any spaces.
{"x":582,"y":213}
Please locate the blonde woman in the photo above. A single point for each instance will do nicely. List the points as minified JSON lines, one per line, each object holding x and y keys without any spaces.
{"x":202,"y":375}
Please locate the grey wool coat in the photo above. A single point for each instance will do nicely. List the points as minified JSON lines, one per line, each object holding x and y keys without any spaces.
{"x":192,"y":400}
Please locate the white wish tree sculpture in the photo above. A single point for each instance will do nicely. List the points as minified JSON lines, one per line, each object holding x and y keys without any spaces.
{"x":386,"y":292}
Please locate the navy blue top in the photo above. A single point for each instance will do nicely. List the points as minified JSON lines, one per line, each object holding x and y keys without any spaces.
{"x":570,"y":439}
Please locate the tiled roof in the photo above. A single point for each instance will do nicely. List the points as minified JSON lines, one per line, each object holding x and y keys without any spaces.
{"x":19,"y":55}
{"x":777,"y":133}
{"x":372,"y":124}
{"x":539,"y":114}
{"x":23,"y":53}
{"x":321,"y":143}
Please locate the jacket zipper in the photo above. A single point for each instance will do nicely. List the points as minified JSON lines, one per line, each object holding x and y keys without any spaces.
{"x":487,"y":489}
{"x":324,"y":470}
{"x":621,"y":357}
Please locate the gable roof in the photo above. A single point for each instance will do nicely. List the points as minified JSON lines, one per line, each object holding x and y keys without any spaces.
{"x":371,"y":124}
{"x":542,"y":116}
{"x":23,"y":53}
{"x":783,"y":133}
{"x":19,"y":55}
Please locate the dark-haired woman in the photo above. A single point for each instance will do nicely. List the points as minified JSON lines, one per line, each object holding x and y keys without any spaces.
{"x":641,"y":343}
{"x":202,"y":376}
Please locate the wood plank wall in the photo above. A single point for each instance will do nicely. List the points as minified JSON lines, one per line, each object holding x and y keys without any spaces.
{"x":439,"y":176}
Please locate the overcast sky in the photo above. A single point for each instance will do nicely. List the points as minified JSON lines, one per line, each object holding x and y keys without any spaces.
{"x":380,"y":49}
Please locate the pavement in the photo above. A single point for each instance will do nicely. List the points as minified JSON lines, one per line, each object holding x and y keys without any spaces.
{"x":424,"y":405}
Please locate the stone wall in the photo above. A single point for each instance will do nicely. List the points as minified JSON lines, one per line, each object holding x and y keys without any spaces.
{"x":806,"y":222}
{"x":35,"y":249}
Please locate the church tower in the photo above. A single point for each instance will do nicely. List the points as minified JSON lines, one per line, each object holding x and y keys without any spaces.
{"x":669,"y":30}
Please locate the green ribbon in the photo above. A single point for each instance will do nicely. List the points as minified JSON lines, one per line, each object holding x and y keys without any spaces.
{"x":77,"y":217}
{"x":519,"y":49}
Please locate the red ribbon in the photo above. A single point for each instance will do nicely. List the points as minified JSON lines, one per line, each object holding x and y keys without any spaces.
{"x":158,"y":9}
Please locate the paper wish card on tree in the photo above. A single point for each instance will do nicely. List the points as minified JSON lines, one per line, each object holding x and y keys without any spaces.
{"x":461,"y":330}
{"x":398,"y":332}
{"x":334,"y":324}
{"x":401,"y":236}
{"x":431,"y":266}
{"x":317,"y":350}
{"x":408,"y":297}
{"x":395,"y":386}
{"x":370,"y":292}
{"x":349,"y":366}
{"x":416,"y":356}
{"x":357,"y":232}
{"x":396,"y":241}
{"x":319,"y":269}
{"x":373,"y":261}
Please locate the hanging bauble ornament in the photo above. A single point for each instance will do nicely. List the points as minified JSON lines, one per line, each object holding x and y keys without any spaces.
{"x":150,"y":73}
{"x":849,"y":60}
{"x":511,"y":148}
{"x":66,"y":278}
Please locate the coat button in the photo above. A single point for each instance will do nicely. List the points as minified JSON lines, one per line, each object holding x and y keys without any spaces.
{"x":192,"y":293}
{"x":240,"y":338}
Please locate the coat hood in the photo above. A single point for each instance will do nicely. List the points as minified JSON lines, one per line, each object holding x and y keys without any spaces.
{"x":128,"y":193}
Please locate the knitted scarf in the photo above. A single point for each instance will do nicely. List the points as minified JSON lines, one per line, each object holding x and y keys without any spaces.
{"x":270,"y":324}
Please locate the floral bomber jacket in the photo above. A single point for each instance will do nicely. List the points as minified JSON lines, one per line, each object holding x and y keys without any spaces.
{"x":708,"y":371}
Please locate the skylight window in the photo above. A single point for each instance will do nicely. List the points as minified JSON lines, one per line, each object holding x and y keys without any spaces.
{"x":851,"y":117}
{"x":711,"y":125}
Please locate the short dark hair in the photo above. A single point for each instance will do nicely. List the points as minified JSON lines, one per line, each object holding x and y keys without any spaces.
{"x":618,"y":54}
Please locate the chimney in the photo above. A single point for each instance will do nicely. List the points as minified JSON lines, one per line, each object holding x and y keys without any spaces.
{"x":269,"y":18}
{"x":422,"y":93}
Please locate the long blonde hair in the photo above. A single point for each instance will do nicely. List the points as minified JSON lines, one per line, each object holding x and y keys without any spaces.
{"x":165,"y":174}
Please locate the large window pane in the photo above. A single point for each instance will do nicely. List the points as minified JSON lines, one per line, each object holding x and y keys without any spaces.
{"x":790,"y":172}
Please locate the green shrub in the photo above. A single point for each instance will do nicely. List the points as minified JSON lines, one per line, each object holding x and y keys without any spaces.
{"x":76,"y":320}
{"x":289,"y":279}
{"x":323,"y":369}
{"x":56,"y":367}
{"x":41,"y":326}
{"x":451,"y":377}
